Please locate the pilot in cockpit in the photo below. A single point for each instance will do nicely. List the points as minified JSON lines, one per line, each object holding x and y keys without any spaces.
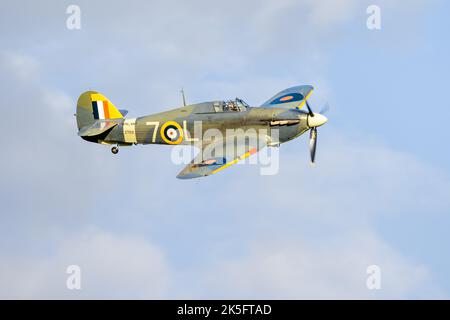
{"x":232,"y":106}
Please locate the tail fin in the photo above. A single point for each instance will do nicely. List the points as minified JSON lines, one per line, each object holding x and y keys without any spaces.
{"x":92,"y":106}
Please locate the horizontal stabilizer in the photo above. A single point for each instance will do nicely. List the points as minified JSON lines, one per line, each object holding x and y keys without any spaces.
{"x":97,"y":128}
{"x":123,"y":112}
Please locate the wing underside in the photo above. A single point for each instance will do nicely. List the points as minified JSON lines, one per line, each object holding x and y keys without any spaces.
{"x":220,"y":155}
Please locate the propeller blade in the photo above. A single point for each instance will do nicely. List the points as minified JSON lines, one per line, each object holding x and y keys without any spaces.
{"x":309,"y":109}
{"x":325,"y":109}
{"x":313,"y":144}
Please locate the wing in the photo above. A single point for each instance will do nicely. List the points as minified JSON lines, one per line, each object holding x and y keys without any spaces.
{"x":219,"y":155}
{"x":291,"y":98}
{"x":98,"y":127}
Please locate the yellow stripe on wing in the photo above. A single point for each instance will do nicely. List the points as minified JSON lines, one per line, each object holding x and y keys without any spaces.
{"x":303,"y":101}
{"x":226,"y":165}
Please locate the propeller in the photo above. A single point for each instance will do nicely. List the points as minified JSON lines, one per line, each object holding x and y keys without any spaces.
{"x":311,"y":114}
{"x":315,"y":120}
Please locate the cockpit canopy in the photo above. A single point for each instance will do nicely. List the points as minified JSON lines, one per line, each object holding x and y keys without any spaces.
{"x":236,"y":105}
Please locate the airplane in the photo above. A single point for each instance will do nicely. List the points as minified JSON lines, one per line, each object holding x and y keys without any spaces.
{"x":278,"y":120}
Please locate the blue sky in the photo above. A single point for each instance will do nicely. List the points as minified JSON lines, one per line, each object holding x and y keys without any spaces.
{"x":379,"y":194}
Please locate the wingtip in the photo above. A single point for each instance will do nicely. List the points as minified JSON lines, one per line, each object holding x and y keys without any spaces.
{"x":184,"y":176}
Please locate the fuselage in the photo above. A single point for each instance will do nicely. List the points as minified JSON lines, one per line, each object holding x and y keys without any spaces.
{"x":195,"y":121}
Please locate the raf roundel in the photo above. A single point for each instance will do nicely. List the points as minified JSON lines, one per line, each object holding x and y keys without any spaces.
{"x":292,"y":97}
{"x":171,"y":132}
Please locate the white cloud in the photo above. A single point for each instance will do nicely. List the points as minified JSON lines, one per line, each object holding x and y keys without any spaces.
{"x":45,"y":167}
{"x":111,"y":267}
{"x":330,"y":269}
{"x":21,"y":66}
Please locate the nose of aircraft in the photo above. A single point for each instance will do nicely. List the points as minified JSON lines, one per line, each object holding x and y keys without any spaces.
{"x":316,"y":121}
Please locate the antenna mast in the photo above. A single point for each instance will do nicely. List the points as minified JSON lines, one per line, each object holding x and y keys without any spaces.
{"x":184,"y":98}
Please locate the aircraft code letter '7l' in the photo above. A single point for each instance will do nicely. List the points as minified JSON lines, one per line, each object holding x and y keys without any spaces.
{"x":232,"y":121}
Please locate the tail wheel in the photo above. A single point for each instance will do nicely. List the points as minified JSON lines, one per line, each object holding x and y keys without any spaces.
{"x":115,"y":150}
